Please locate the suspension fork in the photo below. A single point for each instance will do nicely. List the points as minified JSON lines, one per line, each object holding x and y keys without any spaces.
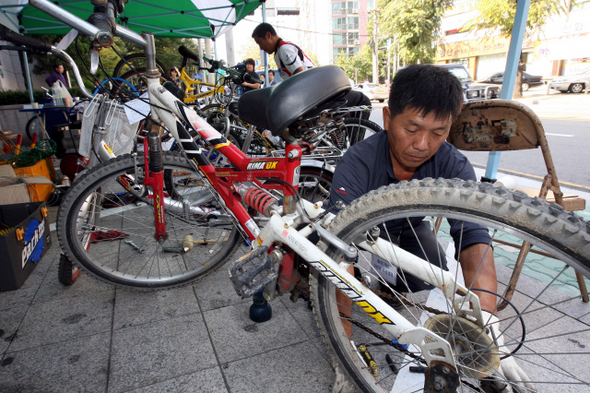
{"x":154,"y":177}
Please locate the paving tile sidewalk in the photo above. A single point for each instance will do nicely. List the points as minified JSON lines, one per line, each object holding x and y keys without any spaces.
{"x":92,"y":337}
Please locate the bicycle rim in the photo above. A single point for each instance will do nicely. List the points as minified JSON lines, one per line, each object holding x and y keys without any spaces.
{"x":315,"y":184}
{"x":542,"y":323}
{"x":358,"y":129}
{"x":109,"y":246}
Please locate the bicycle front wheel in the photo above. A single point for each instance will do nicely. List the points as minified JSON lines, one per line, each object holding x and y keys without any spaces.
{"x":542,"y":326}
{"x":106,"y":224}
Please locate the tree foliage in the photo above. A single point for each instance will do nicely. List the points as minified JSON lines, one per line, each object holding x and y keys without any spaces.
{"x":359,"y":66}
{"x":498,"y":16}
{"x":166,"y":50}
{"x":415,"y":25}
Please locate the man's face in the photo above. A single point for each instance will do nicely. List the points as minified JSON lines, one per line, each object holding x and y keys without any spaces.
{"x":271,"y":76}
{"x":414,"y":137}
{"x":249,"y":67}
{"x":60,"y":69}
{"x":266,"y":43}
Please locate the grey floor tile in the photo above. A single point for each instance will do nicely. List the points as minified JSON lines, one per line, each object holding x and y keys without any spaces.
{"x":297,"y":368}
{"x":62,"y":319}
{"x":23,"y":296}
{"x":75,"y":365}
{"x":235,"y":336}
{"x":305,"y":317}
{"x":136,"y":308}
{"x":151,"y":353}
{"x":85,"y":286}
{"x":216,"y":291}
{"x":10,"y":320}
{"x":206,"y":381}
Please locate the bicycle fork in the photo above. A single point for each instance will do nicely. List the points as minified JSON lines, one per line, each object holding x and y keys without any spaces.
{"x":154,"y":177}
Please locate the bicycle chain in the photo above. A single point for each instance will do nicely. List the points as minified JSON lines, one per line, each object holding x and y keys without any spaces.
{"x":397,"y":346}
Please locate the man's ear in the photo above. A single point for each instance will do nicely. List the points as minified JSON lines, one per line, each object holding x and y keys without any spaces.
{"x":386,"y":118}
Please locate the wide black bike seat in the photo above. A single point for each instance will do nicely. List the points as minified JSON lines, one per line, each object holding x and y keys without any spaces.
{"x":275,"y":108}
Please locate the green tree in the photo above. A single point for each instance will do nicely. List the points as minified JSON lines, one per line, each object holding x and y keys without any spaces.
{"x":415,"y":25}
{"x":498,"y":16}
{"x":357,"y":67}
{"x":166,"y":49}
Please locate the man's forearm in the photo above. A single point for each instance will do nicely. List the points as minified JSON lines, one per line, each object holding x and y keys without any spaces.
{"x":479,"y":271}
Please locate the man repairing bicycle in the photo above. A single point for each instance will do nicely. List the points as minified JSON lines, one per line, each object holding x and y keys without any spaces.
{"x":424,"y":100}
{"x":291,"y":60}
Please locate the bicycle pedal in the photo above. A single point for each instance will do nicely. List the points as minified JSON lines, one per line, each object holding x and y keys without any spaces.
{"x":252,"y":272}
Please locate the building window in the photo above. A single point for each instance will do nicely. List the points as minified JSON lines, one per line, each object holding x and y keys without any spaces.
{"x":353,"y":22}
{"x":338,"y":23}
{"x":338,"y":39}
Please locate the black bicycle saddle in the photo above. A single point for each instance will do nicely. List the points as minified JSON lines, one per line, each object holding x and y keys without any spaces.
{"x":275,"y":108}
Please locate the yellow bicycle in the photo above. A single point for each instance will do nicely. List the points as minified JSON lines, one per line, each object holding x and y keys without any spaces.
{"x":131,"y":68}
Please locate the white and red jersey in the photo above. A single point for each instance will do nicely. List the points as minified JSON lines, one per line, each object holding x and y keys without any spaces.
{"x":289,"y":57}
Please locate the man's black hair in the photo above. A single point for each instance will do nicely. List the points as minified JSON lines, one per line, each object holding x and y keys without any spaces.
{"x":262,"y":29}
{"x":427,"y":88}
{"x":58,"y":64}
{"x":250,"y":60}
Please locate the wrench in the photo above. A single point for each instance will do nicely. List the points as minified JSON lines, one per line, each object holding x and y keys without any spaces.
{"x":141,"y":250}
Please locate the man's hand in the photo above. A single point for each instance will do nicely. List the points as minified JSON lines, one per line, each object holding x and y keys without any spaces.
{"x":510,"y":372}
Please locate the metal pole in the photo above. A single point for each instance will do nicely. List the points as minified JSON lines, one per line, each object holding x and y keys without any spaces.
{"x":375,"y":49}
{"x":28,"y":76}
{"x":520,"y":18}
{"x":264,"y":55}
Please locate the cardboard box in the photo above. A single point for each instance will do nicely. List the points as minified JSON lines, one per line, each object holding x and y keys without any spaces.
{"x":15,"y":189}
{"x":38,"y":178}
{"x":23,"y":243}
{"x":12,"y":190}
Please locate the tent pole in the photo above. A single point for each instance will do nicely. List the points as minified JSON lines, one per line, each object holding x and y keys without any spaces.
{"x":28,"y":76}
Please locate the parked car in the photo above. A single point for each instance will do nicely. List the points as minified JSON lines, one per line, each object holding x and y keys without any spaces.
{"x":572,"y":83}
{"x":528,"y":80}
{"x":473,"y":91}
{"x":373,"y":91}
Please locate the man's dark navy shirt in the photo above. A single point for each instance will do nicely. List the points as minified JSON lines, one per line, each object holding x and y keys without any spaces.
{"x":367,"y":166}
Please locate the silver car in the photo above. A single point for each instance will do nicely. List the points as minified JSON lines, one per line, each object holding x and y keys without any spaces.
{"x":572,"y":83}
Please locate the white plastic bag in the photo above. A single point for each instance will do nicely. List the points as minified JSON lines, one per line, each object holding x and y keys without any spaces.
{"x":61,"y":95}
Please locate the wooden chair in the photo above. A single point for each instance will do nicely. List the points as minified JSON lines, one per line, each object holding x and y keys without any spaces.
{"x":502,"y":125}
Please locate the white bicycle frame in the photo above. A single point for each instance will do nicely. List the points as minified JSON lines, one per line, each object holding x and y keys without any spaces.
{"x":282,"y":228}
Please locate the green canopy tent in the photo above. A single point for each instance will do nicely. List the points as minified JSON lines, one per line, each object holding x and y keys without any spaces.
{"x":176,"y":18}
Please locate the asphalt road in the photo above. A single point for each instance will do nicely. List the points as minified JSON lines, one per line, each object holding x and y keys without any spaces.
{"x":569,"y":142}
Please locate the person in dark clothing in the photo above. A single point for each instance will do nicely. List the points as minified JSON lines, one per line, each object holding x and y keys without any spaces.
{"x":250,"y":65}
{"x":57,"y":75}
{"x":424,"y":100}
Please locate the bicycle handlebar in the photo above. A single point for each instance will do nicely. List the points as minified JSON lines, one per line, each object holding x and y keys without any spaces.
{"x":215,"y":64}
{"x":44,"y":47}
{"x":29,"y":42}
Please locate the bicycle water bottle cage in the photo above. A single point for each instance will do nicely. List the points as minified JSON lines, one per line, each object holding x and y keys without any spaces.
{"x":297,"y":96}
{"x":253,"y":272}
{"x":172,"y":88}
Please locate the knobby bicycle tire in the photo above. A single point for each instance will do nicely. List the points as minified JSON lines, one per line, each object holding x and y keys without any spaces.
{"x":541,"y":324}
{"x":99,"y":216}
